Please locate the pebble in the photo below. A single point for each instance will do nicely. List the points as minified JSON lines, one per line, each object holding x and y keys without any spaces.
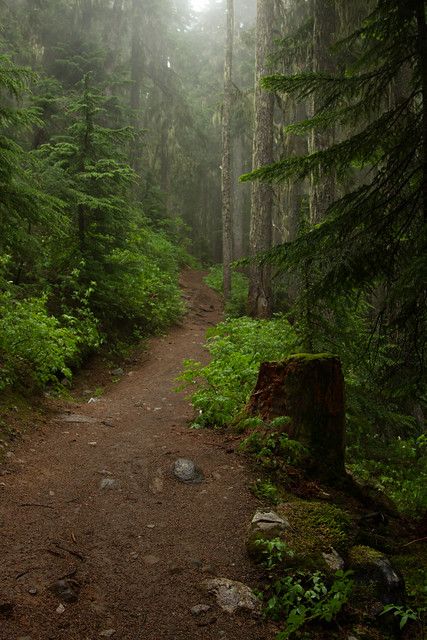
{"x":108,"y":483}
{"x":24,"y":638}
{"x":199,"y":609}
{"x":107,"y":633}
{"x":60,"y":609}
{"x":117,"y":372}
{"x":32,"y":592}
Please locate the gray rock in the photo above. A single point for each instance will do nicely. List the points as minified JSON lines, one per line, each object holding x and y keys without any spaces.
{"x":117,"y":372}
{"x":200,"y":608}
{"x":186,"y":471}
{"x":32,"y":591}
{"x":109,"y":483}
{"x":268,"y":520}
{"x":334,"y":560}
{"x":108,"y":633}
{"x":66,"y":590}
{"x":232,"y":596}
{"x":375,"y":577}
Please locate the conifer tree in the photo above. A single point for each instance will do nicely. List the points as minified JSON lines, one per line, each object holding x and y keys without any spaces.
{"x":375,"y":233}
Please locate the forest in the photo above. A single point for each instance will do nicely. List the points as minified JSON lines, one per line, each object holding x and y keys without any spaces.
{"x":160,"y":157}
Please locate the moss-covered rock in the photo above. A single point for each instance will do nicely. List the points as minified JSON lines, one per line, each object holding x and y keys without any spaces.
{"x":314,"y":532}
{"x":377,"y":582}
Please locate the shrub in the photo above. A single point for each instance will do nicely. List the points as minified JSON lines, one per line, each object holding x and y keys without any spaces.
{"x":236,"y":306}
{"x":237,"y":347}
{"x":33,"y":345}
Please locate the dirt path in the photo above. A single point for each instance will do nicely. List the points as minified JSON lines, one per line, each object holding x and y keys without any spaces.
{"x":139,"y":550}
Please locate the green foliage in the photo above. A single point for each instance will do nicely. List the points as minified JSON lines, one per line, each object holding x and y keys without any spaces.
{"x":399,"y":468}
{"x":236,"y":306}
{"x":35,"y":348}
{"x":237,"y":348}
{"x":274,"y":551}
{"x":305,"y":597}
{"x":270,"y":447}
{"x":402,"y":613}
{"x":266,"y":490}
{"x":373,"y":238}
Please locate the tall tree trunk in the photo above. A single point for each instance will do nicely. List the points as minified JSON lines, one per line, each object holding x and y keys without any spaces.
{"x":136,"y":70}
{"x":259,"y":302}
{"x":226,"y":181}
{"x":420,"y":13}
{"x":322,"y":191}
{"x":239,"y":189}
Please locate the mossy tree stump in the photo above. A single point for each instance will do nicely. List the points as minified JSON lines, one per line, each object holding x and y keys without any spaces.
{"x":310,"y":390}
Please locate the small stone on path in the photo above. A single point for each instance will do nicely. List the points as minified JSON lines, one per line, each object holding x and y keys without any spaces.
{"x":151,"y":560}
{"x":60,"y":609}
{"x":108,"y":633}
{"x":186,"y":471}
{"x":232,"y":595}
{"x":199,"y":609}
{"x":108,"y":483}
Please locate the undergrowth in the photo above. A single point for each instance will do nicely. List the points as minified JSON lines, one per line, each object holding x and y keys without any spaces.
{"x":220,"y":390}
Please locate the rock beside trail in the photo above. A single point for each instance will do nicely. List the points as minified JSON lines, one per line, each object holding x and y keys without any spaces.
{"x":232,"y":596}
{"x":269,"y":521}
{"x":375,"y":577}
{"x":315,"y":533}
{"x":186,"y":471}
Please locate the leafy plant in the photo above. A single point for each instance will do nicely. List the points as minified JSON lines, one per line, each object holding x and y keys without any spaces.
{"x":265,"y":490}
{"x":305,"y":597}
{"x":237,"y":304}
{"x":274,"y":550}
{"x":404,"y":614}
{"x":237,"y":347}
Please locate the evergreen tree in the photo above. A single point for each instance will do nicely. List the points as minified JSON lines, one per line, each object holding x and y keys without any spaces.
{"x":376,"y":233}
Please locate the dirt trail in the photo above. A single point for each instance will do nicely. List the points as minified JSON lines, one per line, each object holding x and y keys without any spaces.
{"x":140,"y":550}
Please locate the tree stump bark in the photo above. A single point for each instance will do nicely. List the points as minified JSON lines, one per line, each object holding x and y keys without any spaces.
{"x":310,"y":390}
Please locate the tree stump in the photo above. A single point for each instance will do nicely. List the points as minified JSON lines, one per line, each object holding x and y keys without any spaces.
{"x":310,"y":390}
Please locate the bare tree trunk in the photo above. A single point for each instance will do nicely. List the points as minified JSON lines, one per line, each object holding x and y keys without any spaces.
{"x":259,"y":302}
{"x":239,"y":200}
{"x":137,"y":70}
{"x":227,"y":181}
{"x":322,"y":191}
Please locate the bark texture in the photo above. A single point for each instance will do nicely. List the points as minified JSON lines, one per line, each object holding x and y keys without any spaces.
{"x":310,"y":390}
{"x":322,"y":192}
{"x":227,"y":181}
{"x":259,"y":303}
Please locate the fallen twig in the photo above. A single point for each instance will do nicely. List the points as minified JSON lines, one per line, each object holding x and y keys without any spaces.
{"x":36,"y":504}
{"x":414,"y":541}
